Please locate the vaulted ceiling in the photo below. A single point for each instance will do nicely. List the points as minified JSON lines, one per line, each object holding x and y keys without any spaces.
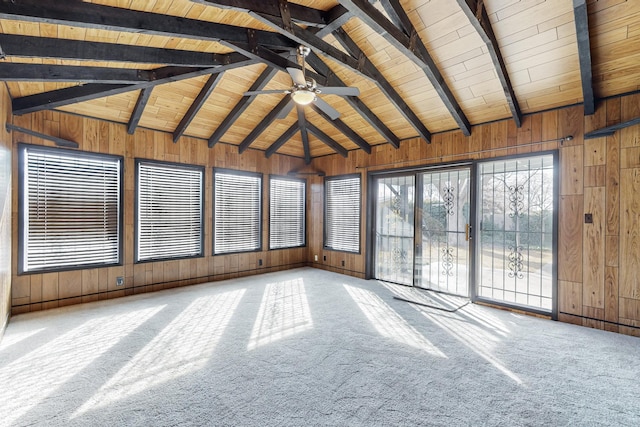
{"x":421,"y":66}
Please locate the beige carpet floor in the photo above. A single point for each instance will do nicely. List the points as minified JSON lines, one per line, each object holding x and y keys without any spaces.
{"x":307,"y":347}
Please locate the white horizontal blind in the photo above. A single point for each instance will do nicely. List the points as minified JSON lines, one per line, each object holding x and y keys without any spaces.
{"x":237,"y":212}
{"x":342,"y":214}
{"x":71,"y":209}
{"x":170,"y":213}
{"x":286,"y":213}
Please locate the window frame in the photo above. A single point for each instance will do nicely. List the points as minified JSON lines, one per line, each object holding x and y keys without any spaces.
{"x":304,"y":219}
{"x":260,"y":206}
{"x":22,"y":148}
{"x":325,"y":225}
{"x":136,"y":218}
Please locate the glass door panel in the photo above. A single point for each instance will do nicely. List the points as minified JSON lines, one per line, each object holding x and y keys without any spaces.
{"x":515,"y":254}
{"x":394,"y":231}
{"x":442,"y":262}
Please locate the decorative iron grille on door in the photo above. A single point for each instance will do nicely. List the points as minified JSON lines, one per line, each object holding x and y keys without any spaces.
{"x":394,"y":233}
{"x":515,"y":255}
{"x":442,"y":263}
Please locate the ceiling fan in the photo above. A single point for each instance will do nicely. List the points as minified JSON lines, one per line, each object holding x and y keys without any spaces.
{"x":305,"y":91}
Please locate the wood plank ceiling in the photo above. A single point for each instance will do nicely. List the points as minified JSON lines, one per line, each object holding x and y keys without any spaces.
{"x":421,"y":66}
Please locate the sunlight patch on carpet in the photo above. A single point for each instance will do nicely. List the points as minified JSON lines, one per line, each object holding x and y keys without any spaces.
{"x":38,"y":374}
{"x":472,"y":336}
{"x":389,"y":323}
{"x":488,"y":320}
{"x":182,"y":347}
{"x":8,"y":341}
{"x":284,"y":311}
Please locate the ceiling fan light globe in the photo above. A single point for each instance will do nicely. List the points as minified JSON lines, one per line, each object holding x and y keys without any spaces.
{"x":303,"y":97}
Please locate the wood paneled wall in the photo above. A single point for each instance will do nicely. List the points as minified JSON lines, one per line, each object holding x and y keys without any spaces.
{"x":598,"y":263}
{"x":5,"y":209}
{"x":41,"y":291}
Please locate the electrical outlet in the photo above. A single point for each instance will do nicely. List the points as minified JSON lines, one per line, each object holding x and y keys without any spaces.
{"x":324,"y":258}
{"x":343,"y":263}
{"x":120,"y":281}
{"x":588,"y":218}
{"x":315,"y":257}
{"x":260,"y":261}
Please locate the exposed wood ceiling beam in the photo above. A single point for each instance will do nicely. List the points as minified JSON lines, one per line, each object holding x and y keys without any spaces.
{"x":314,"y":60}
{"x":70,"y":73}
{"x":337,"y":17}
{"x":60,"y":142}
{"x":361,"y":66}
{"x":71,"y":95}
{"x":346,"y":130}
{"x":385,"y":86}
{"x":197,"y":104}
{"x":302,"y":125}
{"x":242,"y":105}
{"x":581,"y":18}
{"x":412,"y":47}
{"x":477,"y":14}
{"x":330,"y":142}
{"x":300,"y":14}
{"x":136,"y":115}
{"x":44,"y":47}
{"x":89,"y":15}
{"x":255,"y":51}
{"x":282,"y":140}
{"x":610,"y":130}
{"x":284,"y":104}
{"x":308,"y":38}
{"x":61,"y":97}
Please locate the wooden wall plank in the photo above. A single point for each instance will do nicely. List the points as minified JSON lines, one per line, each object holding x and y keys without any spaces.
{"x":570,"y":297}
{"x":595,"y":176}
{"x":571,"y":170}
{"x":630,"y":237}
{"x":593,"y":248}
{"x":611,"y":286}
{"x":613,"y":185}
{"x":570,"y":236}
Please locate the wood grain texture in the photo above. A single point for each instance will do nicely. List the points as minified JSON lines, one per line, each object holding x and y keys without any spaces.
{"x":593,"y":243}
{"x":570,"y":297}
{"x":611,"y":301}
{"x":571,"y":170}
{"x":630,"y":233}
{"x":570,"y":235}
{"x":613,"y":185}
{"x":595,"y":176}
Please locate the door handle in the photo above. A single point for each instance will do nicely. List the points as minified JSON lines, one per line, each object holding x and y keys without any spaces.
{"x":467,"y":232}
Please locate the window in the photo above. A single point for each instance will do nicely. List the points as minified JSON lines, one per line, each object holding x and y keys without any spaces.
{"x":70,"y":209}
{"x":342,"y":213}
{"x":286,"y":213}
{"x":237,"y":213}
{"x":169,"y":212}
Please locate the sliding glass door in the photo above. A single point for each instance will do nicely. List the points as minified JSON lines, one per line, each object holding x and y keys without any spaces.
{"x":394,"y":229}
{"x":442,"y":261}
{"x":424,"y":227}
{"x":516,"y":223}
{"x":421,"y":230}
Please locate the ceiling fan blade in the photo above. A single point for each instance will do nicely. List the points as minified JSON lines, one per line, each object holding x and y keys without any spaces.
{"x":340,"y":90}
{"x":261,"y":92}
{"x":297,"y":76}
{"x":326,"y":108}
{"x":286,"y":110}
